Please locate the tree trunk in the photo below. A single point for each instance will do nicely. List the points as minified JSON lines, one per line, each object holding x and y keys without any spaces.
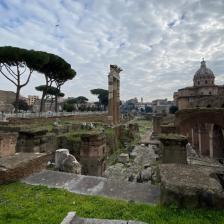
{"x":42,"y":102}
{"x":17,"y":99}
{"x":52,"y":99}
{"x":56,"y":103}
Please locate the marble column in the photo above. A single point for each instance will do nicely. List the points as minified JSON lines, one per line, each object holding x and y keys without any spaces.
{"x":114,"y":94}
{"x":211,"y":154}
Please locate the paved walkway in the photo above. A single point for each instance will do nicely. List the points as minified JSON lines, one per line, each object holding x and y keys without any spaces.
{"x":91,"y":185}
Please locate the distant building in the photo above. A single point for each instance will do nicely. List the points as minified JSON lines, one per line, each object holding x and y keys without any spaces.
{"x":134,"y":106}
{"x":161,"y":106}
{"x":7,"y":97}
{"x":31,"y":100}
{"x":203,"y":93}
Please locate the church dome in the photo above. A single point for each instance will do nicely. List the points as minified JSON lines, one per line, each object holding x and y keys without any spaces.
{"x":204,"y":76}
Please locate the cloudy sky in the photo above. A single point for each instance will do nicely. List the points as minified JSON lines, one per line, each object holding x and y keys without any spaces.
{"x":158,"y":43}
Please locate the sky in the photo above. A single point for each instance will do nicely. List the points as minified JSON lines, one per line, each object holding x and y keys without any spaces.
{"x":158,"y":43}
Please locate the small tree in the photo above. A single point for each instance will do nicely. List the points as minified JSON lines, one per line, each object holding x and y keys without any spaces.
{"x":173,"y":109}
{"x":68,"y":107}
{"x":21,"y":105}
{"x":51,"y":92}
{"x":57,"y":71}
{"x":102,"y":96}
{"x":17,"y":66}
{"x":148,"y":109}
{"x":81,"y":100}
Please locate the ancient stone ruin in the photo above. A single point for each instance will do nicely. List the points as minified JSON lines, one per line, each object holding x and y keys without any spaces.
{"x":66,"y":162}
{"x":114,"y":94}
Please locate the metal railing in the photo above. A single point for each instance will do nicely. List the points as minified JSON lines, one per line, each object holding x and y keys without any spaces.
{"x":5,"y":116}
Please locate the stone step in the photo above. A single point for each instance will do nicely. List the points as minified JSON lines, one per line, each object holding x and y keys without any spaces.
{"x":92,"y":185}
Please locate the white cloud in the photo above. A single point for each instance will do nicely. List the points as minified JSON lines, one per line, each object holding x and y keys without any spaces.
{"x":159,"y":43}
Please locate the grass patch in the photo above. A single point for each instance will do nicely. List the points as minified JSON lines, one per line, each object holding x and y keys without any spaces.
{"x":144,"y":125}
{"x":23,"y":204}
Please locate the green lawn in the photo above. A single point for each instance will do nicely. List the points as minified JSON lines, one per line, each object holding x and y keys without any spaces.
{"x":25,"y":204}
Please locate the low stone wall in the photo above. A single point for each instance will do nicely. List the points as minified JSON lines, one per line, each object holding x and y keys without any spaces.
{"x":85,"y":118}
{"x":22,"y":165}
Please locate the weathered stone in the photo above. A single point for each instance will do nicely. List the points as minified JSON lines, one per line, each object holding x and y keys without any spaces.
{"x":20,"y":165}
{"x":70,"y":164}
{"x":144,"y":155}
{"x":92,"y":185}
{"x":60,"y":155}
{"x":173,"y":148}
{"x":93,"y":153}
{"x":8,"y":144}
{"x":133,"y":155}
{"x":146,"y":165}
{"x":144,"y":175}
{"x":66,"y":162}
{"x":191,"y":186}
{"x":72,"y":218}
{"x":123,"y":158}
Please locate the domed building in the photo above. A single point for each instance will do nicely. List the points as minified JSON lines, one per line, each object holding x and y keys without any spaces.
{"x":203,"y":93}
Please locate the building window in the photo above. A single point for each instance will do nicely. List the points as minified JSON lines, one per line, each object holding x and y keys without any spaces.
{"x":198,"y":82}
{"x":210,"y":93}
{"x":206,"y":82}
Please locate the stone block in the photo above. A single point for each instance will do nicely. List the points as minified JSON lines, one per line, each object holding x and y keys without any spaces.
{"x":123,"y":158}
{"x":190,"y":186}
{"x":66,"y":162}
{"x":173,"y":148}
{"x":71,"y":165}
{"x":60,"y":155}
{"x":8,"y":144}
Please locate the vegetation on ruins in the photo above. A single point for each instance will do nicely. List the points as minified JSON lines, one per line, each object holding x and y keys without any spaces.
{"x":102,"y":95}
{"x":22,"y":204}
{"x":17,"y":66}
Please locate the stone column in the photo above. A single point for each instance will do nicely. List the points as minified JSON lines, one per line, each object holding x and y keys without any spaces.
{"x":199,"y":140}
{"x":211,"y":140}
{"x":192,"y":137}
{"x":114,"y":94}
{"x":157,"y":124}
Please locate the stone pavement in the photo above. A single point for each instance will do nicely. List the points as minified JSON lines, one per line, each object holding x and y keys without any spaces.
{"x":91,"y":185}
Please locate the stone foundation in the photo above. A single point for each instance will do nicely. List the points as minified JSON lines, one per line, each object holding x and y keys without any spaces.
{"x":13,"y":168}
